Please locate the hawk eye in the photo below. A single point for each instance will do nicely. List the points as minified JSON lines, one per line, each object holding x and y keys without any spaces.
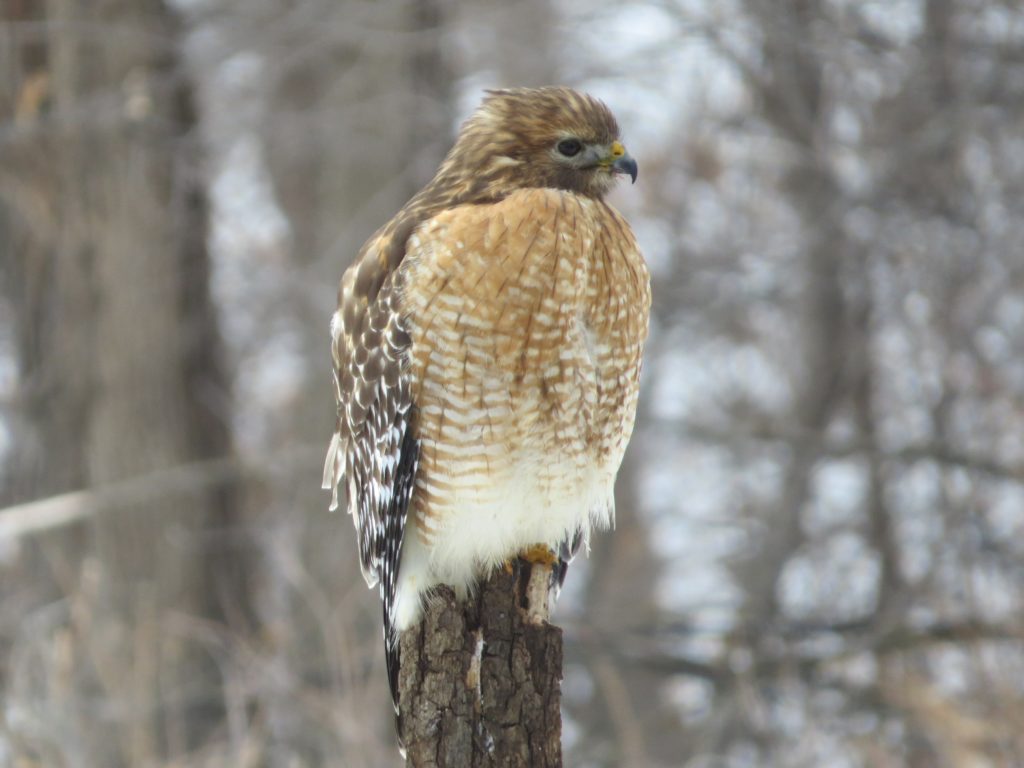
{"x":569,"y":147}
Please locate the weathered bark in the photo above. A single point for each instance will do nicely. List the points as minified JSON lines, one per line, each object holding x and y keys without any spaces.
{"x":480,"y":679}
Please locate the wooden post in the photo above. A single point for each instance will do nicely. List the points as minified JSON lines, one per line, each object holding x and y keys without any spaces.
{"x":480,"y":680}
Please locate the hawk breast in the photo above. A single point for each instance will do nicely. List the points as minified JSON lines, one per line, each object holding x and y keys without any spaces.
{"x":527,"y":320}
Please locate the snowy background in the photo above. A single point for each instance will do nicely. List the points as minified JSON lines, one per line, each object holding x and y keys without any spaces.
{"x":819,"y":555}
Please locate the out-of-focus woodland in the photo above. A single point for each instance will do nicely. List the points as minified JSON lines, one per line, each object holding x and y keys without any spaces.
{"x":819,"y":557}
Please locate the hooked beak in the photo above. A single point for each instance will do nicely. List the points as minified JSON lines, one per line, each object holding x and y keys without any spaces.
{"x":626,"y":164}
{"x":621,"y":162}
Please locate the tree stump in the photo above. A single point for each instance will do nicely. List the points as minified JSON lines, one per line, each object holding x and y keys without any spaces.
{"x":480,"y":679}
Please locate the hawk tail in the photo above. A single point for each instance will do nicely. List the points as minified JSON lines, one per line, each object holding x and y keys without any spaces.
{"x":392,"y":656}
{"x":404,"y":482}
{"x":392,"y":659}
{"x":567,"y":551}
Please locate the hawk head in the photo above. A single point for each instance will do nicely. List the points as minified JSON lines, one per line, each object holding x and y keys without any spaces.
{"x":536,"y":137}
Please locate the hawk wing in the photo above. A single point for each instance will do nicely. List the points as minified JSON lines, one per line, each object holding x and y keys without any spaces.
{"x":373,"y":449}
{"x":369,"y":349}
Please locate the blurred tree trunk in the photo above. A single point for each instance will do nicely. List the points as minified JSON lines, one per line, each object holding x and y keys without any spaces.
{"x":510,"y":29}
{"x":119,"y":346}
{"x":49,"y":459}
{"x":29,"y":226}
{"x":792,"y":94}
{"x":620,"y":595}
{"x":343,"y":156}
{"x":480,"y":679}
{"x":342,"y":152}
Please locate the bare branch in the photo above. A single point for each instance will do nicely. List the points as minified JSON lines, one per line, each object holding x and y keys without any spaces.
{"x":41,"y":515}
{"x":838,"y":449}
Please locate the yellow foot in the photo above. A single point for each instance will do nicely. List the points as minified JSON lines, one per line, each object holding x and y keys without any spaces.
{"x":539,"y":553}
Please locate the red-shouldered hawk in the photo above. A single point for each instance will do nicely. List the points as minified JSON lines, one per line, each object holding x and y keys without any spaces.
{"x":486,"y":353}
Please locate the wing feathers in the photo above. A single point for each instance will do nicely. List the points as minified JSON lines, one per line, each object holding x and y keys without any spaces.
{"x":373,"y":427}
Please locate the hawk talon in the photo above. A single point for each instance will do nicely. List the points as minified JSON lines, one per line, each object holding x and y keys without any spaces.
{"x":539,"y":554}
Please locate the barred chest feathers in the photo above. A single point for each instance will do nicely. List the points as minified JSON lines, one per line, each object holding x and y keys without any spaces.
{"x":527,"y":323}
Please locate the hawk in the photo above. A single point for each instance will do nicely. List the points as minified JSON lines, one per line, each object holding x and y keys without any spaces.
{"x":486,"y":353}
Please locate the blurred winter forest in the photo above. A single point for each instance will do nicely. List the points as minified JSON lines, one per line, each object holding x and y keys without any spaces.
{"x":819,"y":557}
